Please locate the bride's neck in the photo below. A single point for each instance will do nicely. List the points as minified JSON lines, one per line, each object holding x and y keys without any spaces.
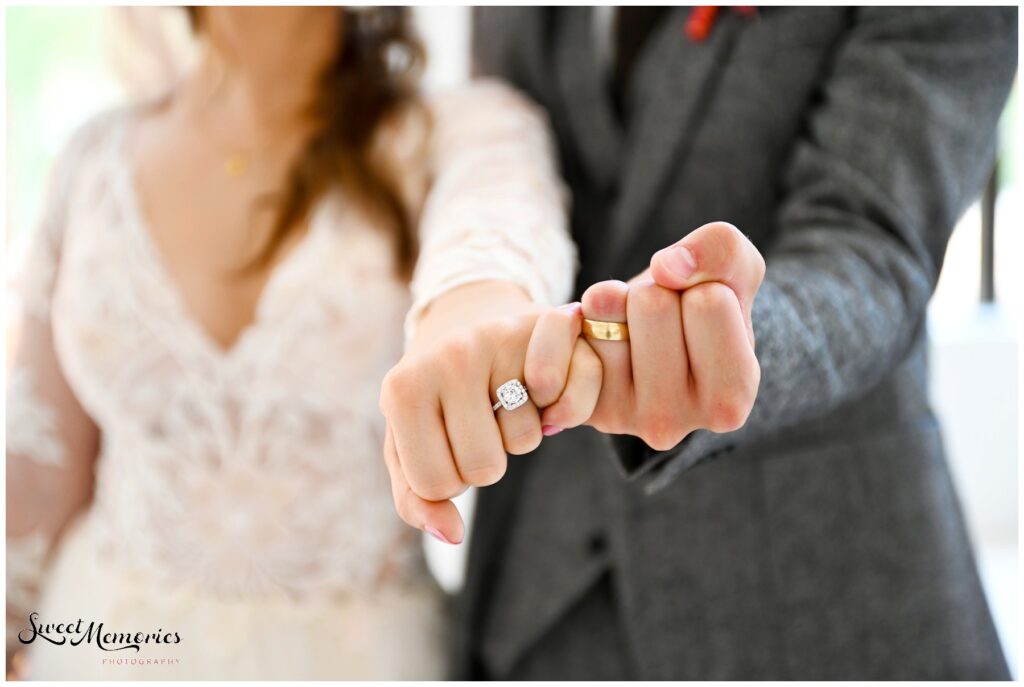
{"x":257,"y":102}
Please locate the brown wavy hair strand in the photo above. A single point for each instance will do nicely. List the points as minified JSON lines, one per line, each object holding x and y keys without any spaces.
{"x":373,"y":76}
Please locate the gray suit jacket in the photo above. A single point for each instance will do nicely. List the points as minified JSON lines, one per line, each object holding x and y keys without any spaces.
{"x":824,"y":539}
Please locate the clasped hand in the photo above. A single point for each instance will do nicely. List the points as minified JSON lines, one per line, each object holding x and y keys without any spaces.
{"x":689,"y":364}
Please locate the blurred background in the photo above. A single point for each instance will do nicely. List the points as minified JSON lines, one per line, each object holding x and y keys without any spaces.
{"x":67,"y":63}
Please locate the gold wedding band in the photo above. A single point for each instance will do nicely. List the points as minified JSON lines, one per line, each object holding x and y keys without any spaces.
{"x":606,"y":331}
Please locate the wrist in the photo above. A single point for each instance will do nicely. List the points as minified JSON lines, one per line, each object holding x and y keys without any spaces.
{"x":470,"y":304}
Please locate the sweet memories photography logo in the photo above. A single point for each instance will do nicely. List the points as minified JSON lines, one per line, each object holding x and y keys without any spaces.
{"x":77,"y":632}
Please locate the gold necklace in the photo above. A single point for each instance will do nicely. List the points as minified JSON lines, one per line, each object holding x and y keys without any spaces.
{"x":236,"y":164}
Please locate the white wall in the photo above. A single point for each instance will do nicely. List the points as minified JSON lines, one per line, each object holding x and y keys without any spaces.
{"x":445,"y":32}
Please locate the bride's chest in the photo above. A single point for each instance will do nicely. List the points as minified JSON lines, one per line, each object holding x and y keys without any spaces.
{"x":328,"y":324}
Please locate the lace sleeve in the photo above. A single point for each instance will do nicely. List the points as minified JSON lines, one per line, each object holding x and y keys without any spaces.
{"x":496,"y":208}
{"x":51,"y":442}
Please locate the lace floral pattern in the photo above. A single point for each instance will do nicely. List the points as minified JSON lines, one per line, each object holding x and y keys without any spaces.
{"x":26,"y":558}
{"x":497,"y":207}
{"x":257,"y":471}
{"x":31,"y":422}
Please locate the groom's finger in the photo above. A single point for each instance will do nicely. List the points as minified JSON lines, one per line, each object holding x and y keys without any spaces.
{"x":440,"y":518}
{"x":659,"y":360}
{"x":715,"y":252}
{"x":725,"y":370}
{"x":606,"y":302}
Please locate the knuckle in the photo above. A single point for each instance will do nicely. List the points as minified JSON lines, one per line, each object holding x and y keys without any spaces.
{"x":485,"y":474}
{"x":564,"y":413}
{"x":572,"y":413}
{"x":608,"y":423}
{"x":436,"y":490}
{"x":730,"y":240}
{"x":662,"y":431}
{"x":727,"y":408}
{"x":728,"y":412}
{"x":556,"y":319}
{"x":499,"y":330}
{"x":654,"y":300}
{"x":459,"y":353}
{"x":724,"y":417}
{"x":611,"y":418}
{"x":399,"y":385}
{"x":523,"y":441}
{"x":707,"y":298}
{"x":544,"y":380}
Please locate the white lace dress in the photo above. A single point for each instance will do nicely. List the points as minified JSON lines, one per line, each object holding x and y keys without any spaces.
{"x":239,"y":498}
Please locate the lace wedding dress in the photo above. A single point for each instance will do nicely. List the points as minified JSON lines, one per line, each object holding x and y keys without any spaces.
{"x":239,"y":497}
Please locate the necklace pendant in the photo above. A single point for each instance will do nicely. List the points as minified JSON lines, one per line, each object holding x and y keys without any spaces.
{"x":236,"y":165}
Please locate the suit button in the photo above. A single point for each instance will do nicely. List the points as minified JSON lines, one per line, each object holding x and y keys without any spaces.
{"x":597,"y":544}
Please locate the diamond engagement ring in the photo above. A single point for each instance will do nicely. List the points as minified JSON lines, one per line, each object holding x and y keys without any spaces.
{"x":511,"y":395}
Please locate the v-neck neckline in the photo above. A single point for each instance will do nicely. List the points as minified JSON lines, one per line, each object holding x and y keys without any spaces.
{"x":127,"y":185}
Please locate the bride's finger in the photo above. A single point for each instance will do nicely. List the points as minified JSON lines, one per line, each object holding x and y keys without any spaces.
{"x":550,"y":350}
{"x":582,"y":389}
{"x":413,"y":411}
{"x":473,"y":433}
{"x":520,"y":427}
{"x":439,"y":518}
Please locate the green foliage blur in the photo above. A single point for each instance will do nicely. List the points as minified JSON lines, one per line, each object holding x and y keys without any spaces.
{"x":56,"y":77}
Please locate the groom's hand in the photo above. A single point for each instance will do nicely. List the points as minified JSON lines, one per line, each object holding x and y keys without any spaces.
{"x":689,"y":363}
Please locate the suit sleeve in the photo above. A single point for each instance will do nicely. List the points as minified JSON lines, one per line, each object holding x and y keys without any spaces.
{"x":899,"y":144}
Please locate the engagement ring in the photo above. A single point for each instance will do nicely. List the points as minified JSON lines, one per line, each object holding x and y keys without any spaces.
{"x":511,"y":395}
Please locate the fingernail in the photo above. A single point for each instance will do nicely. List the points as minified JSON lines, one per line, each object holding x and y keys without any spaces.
{"x":679,"y":260}
{"x":436,"y":534}
{"x":572,"y":307}
{"x":550,"y":430}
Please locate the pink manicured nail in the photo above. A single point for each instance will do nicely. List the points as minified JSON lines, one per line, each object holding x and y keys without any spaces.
{"x":679,"y":261}
{"x":550,"y":430}
{"x":436,"y":534}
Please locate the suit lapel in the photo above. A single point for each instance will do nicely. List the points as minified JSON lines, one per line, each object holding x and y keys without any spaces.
{"x":673,"y":84}
{"x":592,"y":124}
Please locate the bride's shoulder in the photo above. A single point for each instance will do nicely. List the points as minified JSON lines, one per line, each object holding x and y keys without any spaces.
{"x":443,"y":117}
{"x":485,"y":102}
{"x":89,"y":147}
{"x":487,"y":92}
{"x":94,"y":133}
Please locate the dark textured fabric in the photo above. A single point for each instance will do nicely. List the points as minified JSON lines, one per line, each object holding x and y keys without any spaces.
{"x":824,"y":539}
{"x":633,"y":25}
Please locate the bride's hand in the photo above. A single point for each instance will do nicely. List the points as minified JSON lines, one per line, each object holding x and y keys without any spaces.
{"x":442,"y":433}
